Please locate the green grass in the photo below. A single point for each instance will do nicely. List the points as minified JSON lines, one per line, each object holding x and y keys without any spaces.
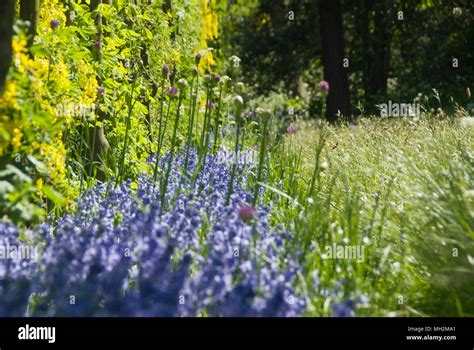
{"x":403,"y":190}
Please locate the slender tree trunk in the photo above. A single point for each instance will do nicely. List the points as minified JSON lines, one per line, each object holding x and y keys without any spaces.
{"x":29,"y":11}
{"x":364,"y":32}
{"x":168,"y":7}
{"x":98,"y":143}
{"x":332,"y":44}
{"x":377,"y":53}
{"x":7,"y":15}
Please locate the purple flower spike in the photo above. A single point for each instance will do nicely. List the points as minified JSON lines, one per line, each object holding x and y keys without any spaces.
{"x":197,"y":58}
{"x":54,"y":23}
{"x":165,"y":70}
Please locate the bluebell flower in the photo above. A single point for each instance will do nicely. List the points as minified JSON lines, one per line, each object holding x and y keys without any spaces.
{"x":117,"y":256}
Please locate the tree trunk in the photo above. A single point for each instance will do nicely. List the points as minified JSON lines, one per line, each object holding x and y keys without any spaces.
{"x":332,"y":45}
{"x":7,"y":15}
{"x":364,"y":32}
{"x":29,"y":11}
{"x":168,"y":7}
{"x":376,"y":53}
{"x":98,"y":144}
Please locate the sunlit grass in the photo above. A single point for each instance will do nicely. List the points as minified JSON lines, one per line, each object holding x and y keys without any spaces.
{"x":402,"y":189}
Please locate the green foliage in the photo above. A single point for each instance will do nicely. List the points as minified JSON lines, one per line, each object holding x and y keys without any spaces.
{"x":263,"y":36}
{"x":389,"y":57}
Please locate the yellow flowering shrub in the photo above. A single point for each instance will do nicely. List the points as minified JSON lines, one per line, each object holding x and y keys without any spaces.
{"x":76,"y":78}
{"x":210,"y":24}
{"x":9,"y":97}
{"x":30,"y":138}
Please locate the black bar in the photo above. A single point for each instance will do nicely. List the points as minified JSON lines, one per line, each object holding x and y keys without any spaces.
{"x":356,"y":331}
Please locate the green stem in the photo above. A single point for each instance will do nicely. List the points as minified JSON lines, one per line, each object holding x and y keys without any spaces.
{"x":260,"y":163}
{"x":216,"y":121}
{"x":316,"y":175}
{"x":127,"y":130}
{"x":155,"y":171}
{"x":161,"y":132}
{"x":204,"y":125}
{"x":191,"y":121}
{"x":92,"y":151}
{"x":234,"y":166}
{"x":165,"y":126}
{"x":204,"y":142}
{"x":208,"y":128}
{"x":171,"y":155}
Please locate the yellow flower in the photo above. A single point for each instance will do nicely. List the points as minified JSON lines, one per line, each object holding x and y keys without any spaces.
{"x":16,"y":140}
{"x":175,"y":56}
{"x":207,"y":61}
{"x":9,"y":98}
{"x":211,"y":21}
{"x":50,"y":10}
{"x":18,"y":45}
{"x":59,"y":74}
{"x":20,"y":53}
{"x":40,"y":66}
{"x":90,"y":90}
{"x":54,"y":155}
{"x":209,"y":31}
{"x":39,"y":187}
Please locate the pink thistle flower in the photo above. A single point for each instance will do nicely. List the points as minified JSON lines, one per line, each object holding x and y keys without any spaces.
{"x":324,"y":85}
{"x":247,"y":213}
{"x":172,"y":91}
{"x":291,"y":130}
